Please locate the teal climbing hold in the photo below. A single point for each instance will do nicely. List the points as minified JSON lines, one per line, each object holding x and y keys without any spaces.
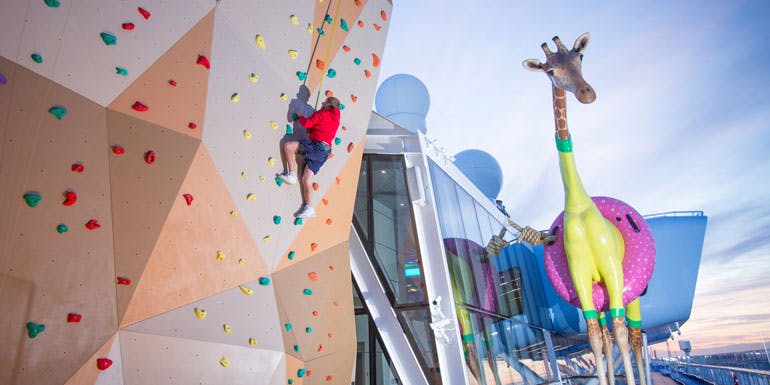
{"x":32,"y":199}
{"x":289,"y":129}
{"x":276,"y":219}
{"x":264,"y":281}
{"x":52,"y":3}
{"x":342,"y":106}
{"x":301,"y":75}
{"x":278,"y":181}
{"x":36,"y":58}
{"x":34,"y":329}
{"x":291,"y":255}
{"x":357,"y":61}
{"x":331,"y":73}
{"x":301,"y":372}
{"x":62,"y":228}
{"x":297,"y":221}
{"x":58,"y":111}
{"x":337,"y":140}
{"x":294,"y":117}
{"x":296,"y":348}
{"x":320,"y":31}
{"x":328,"y":18}
{"x":308,"y":330}
{"x":307,"y":292}
{"x":121,"y":71}
{"x":290,"y":381}
{"x":287,"y":326}
{"x":344,"y":25}
{"x":108,"y":38}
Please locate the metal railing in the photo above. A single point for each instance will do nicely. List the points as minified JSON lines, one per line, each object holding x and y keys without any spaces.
{"x":718,"y":375}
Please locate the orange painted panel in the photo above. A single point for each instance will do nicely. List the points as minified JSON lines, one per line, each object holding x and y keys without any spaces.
{"x":89,"y":372}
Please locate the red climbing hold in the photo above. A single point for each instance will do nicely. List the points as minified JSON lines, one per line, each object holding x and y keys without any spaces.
{"x":139,"y":106}
{"x":74,"y":317}
{"x":146,"y":14}
{"x":320,"y":348}
{"x":353,"y":97}
{"x":330,"y":335}
{"x":346,"y":48}
{"x":117,"y":150}
{"x":336,"y":303}
{"x":78,"y":167}
{"x":376,"y":27}
{"x":192,"y":126}
{"x":149,"y":157}
{"x":328,"y":378}
{"x":128,"y":26}
{"x":204,"y":61}
{"x":93,"y":224}
{"x":70,"y":198}
{"x":331,"y":267}
{"x":320,"y":64}
{"x":172,"y":83}
{"x":123,"y":281}
{"x":375,"y":60}
{"x":104,"y":363}
{"x":188,"y":198}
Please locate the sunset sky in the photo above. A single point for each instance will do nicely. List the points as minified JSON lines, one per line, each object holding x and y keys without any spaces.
{"x":681,"y":122}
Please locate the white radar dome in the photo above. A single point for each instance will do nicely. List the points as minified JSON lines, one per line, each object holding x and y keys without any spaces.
{"x":404,"y":99}
{"x":482,"y":169}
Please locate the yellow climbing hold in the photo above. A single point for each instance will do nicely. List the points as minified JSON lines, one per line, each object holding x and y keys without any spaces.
{"x":233,"y":213}
{"x":293,"y":54}
{"x":260,"y":41}
{"x":251,"y":197}
{"x":271,"y":160}
{"x":241,"y":261}
{"x":309,"y":28}
{"x":261,"y":178}
{"x":273,"y":124}
{"x":252,"y":341}
{"x":294,"y":19}
{"x":224,"y":362}
{"x":244,"y":175}
{"x":220,"y":255}
{"x":227,"y":328}
{"x":235,"y":97}
{"x":200,"y":313}
{"x":266,"y":238}
{"x":246,"y":290}
{"x":253,"y":77}
{"x":284,"y":97}
{"x":247,"y":135}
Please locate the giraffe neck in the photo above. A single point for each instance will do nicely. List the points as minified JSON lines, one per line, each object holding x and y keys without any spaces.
{"x":560,"y":112}
{"x":575,"y":197}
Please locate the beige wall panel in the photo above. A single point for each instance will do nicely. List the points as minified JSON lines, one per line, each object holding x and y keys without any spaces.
{"x":142,"y":194}
{"x":46,"y":275}
{"x":74,"y":54}
{"x":183,"y":266}
{"x":149,"y":359}
{"x":174,"y":107}
{"x":89,"y":373}
{"x":292,"y":365}
{"x":328,"y":310}
{"x":7,"y":71}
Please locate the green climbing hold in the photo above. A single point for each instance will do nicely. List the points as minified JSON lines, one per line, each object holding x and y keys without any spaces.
{"x":297,"y":221}
{"x":337,"y":140}
{"x":34,"y":329}
{"x":278,"y":181}
{"x":108,"y":38}
{"x":301,"y":75}
{"x":320,"y":31}
{"x":276,"y":219}
{"x":52,"y":3}
{"x":289,"y":129}
{"x":301,"y":373}
{"x":357,"y":61}
{"x":344,"y":25}
{"x":121,"y":71}
{"x":296,"y":348}
{"x":32,"y":199}
{"x":308,"y":330}
{"x":331,"y":73}
{"x":328,"y":18}
{"x":36,"y":58}
{"x":264,"y":281}
{"x":58,"y":111}
{"x":307,"y":292}
{"x":287,"y":326}
{"x":62,"y":228}
{"x":291,"y":255}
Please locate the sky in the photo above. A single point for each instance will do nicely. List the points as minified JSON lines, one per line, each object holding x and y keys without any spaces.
{"x":681,"y":122}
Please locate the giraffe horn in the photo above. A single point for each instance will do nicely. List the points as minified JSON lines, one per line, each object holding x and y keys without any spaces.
{"x":559,"y":45}
{"x":547,"y":50}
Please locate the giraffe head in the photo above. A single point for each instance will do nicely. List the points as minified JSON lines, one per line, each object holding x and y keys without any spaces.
{"x":564,"y":68}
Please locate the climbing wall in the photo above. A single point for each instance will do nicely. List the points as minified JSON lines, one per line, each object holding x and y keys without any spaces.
{"x":144,"y":238}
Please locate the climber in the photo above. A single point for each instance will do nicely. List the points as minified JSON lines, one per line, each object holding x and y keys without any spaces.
{"x":321,"y":128}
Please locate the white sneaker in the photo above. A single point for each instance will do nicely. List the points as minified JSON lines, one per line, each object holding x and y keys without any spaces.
{"x":288,"y":177}
{"x":305,"y":212}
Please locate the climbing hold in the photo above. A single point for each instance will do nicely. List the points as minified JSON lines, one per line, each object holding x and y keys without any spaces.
{"x":253,"y":77}
{"x":293,"y":54}
{"x":290,"y":381}
{"x":264,"y":281}
{"x":357,"y":61}
{"x":139,"y":106}
{"x":336,"y":303}
{"x":309,"y":28}
{"x":329,"y":221}
{"x":296,"y":348}
{"x":93,"y":224}
{"x":320,"y":64}
{"x":331,"y":267}
{"x":224,"y":362}
{"x":344,"y":25}
{"x":376,"y":27}
{"x":36,"y":58}
{"x":284,"y":97}
{"x":297,"y":221}
{"x":328,"y":93}
{"x":247,"y":135}
{"x":315,"y":313}
{"x":123,"y":281}
{"x":289,"y":129}
{"x":172,"y":82}
{"x":34,"y":329}
{"x":270,"y":160}
{"x":74,"y":317}
{"x":121,"y":71}
{"x":70,"y":198}
{"x":301,"y":75}
{"x":128,"y":26}
{"x":328,"y":19}
{"x":353,"y":98}
{"x":313,"y":276}
{"x":149,"y":157}
{"x":287,"y":326}
{"x":241,"y":261}
{"x":52,"y":3}
{"x":358,"y":3}
{"x":103,"y":363}
{"x":266,"y":238}
{"x":294,"y":19}
{"x":227,"y":328}
{"x":375,"y":60}
{"x":260,"y":41}
{"x":144,"y":12}
{"x":276,"y":219}
{"x":32,"y":199}
{"x":192,"y":125}
{"x":278,"y":181}
{"x":325,"y":201}
{"x":251,"y":197}
{"x":301,"y":373}
{"x":342,"y":106}
{"x":320,"y":31}
{"x":307,"y":292}
{"x":3,"y":80}
{"x":367,"y":74}
{"x":61,"y":228}
{"x":58,"y":111}
{"x":361,"y":24}
{"x":313,"y":246}
{"x":315,"y":186}
{"x":338,"y":180}
{"x":235,"y":97}
{"x":328,"y":378}
{"x":117,"y":150}
{"x":188,"y":198}
{"x":204,"y":61}
{"x":261,"y":178}
{"x":344,"y":128}
{"x":308,"y":330}
{"x":108,"y":38}
{"x":273,"y":124}
{"x":252,"y":341}
{"x":244,"y":176}
{"x":233,"y":213}
{"x":337,"y":141}
{"x":220,"y":255}
{"x":246,"y":290}
{"x":383,"y":15}
{"x":200,"y":313}
{"x":291,"y":255}
{"x":320,"y":349}
{"x":346,"y":48}
{"x":331,"y":73}
{"x":350,"y":146}
{"x":330,"y":335}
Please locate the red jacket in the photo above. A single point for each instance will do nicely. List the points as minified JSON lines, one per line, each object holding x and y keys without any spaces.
{"x":322,"y":125}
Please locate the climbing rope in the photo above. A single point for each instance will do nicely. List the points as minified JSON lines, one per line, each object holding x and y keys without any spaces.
{"x":315,"y":46}
{"x":532,"y":236}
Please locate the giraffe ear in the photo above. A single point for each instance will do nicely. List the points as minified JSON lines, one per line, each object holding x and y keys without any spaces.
{"x":581,"y":43}
{"x":533,"y":65}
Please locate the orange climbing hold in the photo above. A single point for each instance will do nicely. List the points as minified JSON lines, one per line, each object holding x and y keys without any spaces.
{"x":384,"y":15}
{"x":350,"y":147}
{"x":331,"y":155}
{"x":315,"y":313}
{"x":344,"y":128}
{"x":331,"y":267}
{"x":313,"y":246}
{"x":336,"y":303}
{"x":367,"y":74}
{"x":358,"y":3}
{"x":361,"y":24}
{"x":315,"y":186}
{"x":375,"y":60}
{"x":337,"y":179}
{"x":320,"y":64}
{"x":346,"y":48}
{"x":330,"y":335}
{"x":329,"y":221}
{"x":353,"y":97}
{"x":313,"y":276}
{"x":325,"y":201}
{"x":329,"y":93}
{"x":376,"y":27}
{"x":320,"y":348}
{"x":204,"y":61}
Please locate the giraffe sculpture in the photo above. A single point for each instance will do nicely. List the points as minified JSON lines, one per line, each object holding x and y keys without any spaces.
{"x":593,"y":245}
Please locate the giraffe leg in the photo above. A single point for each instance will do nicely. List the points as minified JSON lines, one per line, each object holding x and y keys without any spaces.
{"x":634,"y":316}
{"x":607,"y":342}
{"x":595,"y":341}
{"x":621,"y":338}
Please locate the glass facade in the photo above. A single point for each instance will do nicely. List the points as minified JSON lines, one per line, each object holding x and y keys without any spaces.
{"x":373,"y":366}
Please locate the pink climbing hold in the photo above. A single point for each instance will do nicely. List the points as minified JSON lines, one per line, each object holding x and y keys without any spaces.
{"x":149,"y":157}
{"x":188,"y":198}
{"x":70,"y":198}
{"x":78,"y":167}
{"x":74,"y":317}
{"x":139,"y":106}
{"x":128,"y":26}
{"x":117,"y":150}
{"x":103,"y":363}
{"x":93,"y":224}
{"x":146,"y":14}
{"x":204,"y":61}
{"x":123,"y":281}
{"x":192,"y":126}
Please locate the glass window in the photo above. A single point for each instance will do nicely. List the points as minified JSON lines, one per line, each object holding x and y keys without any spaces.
{"x":361,"y":207}
{"x":418,"y":330}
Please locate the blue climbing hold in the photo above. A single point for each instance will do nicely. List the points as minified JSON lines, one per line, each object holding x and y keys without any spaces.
{"x":3,"y":80}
